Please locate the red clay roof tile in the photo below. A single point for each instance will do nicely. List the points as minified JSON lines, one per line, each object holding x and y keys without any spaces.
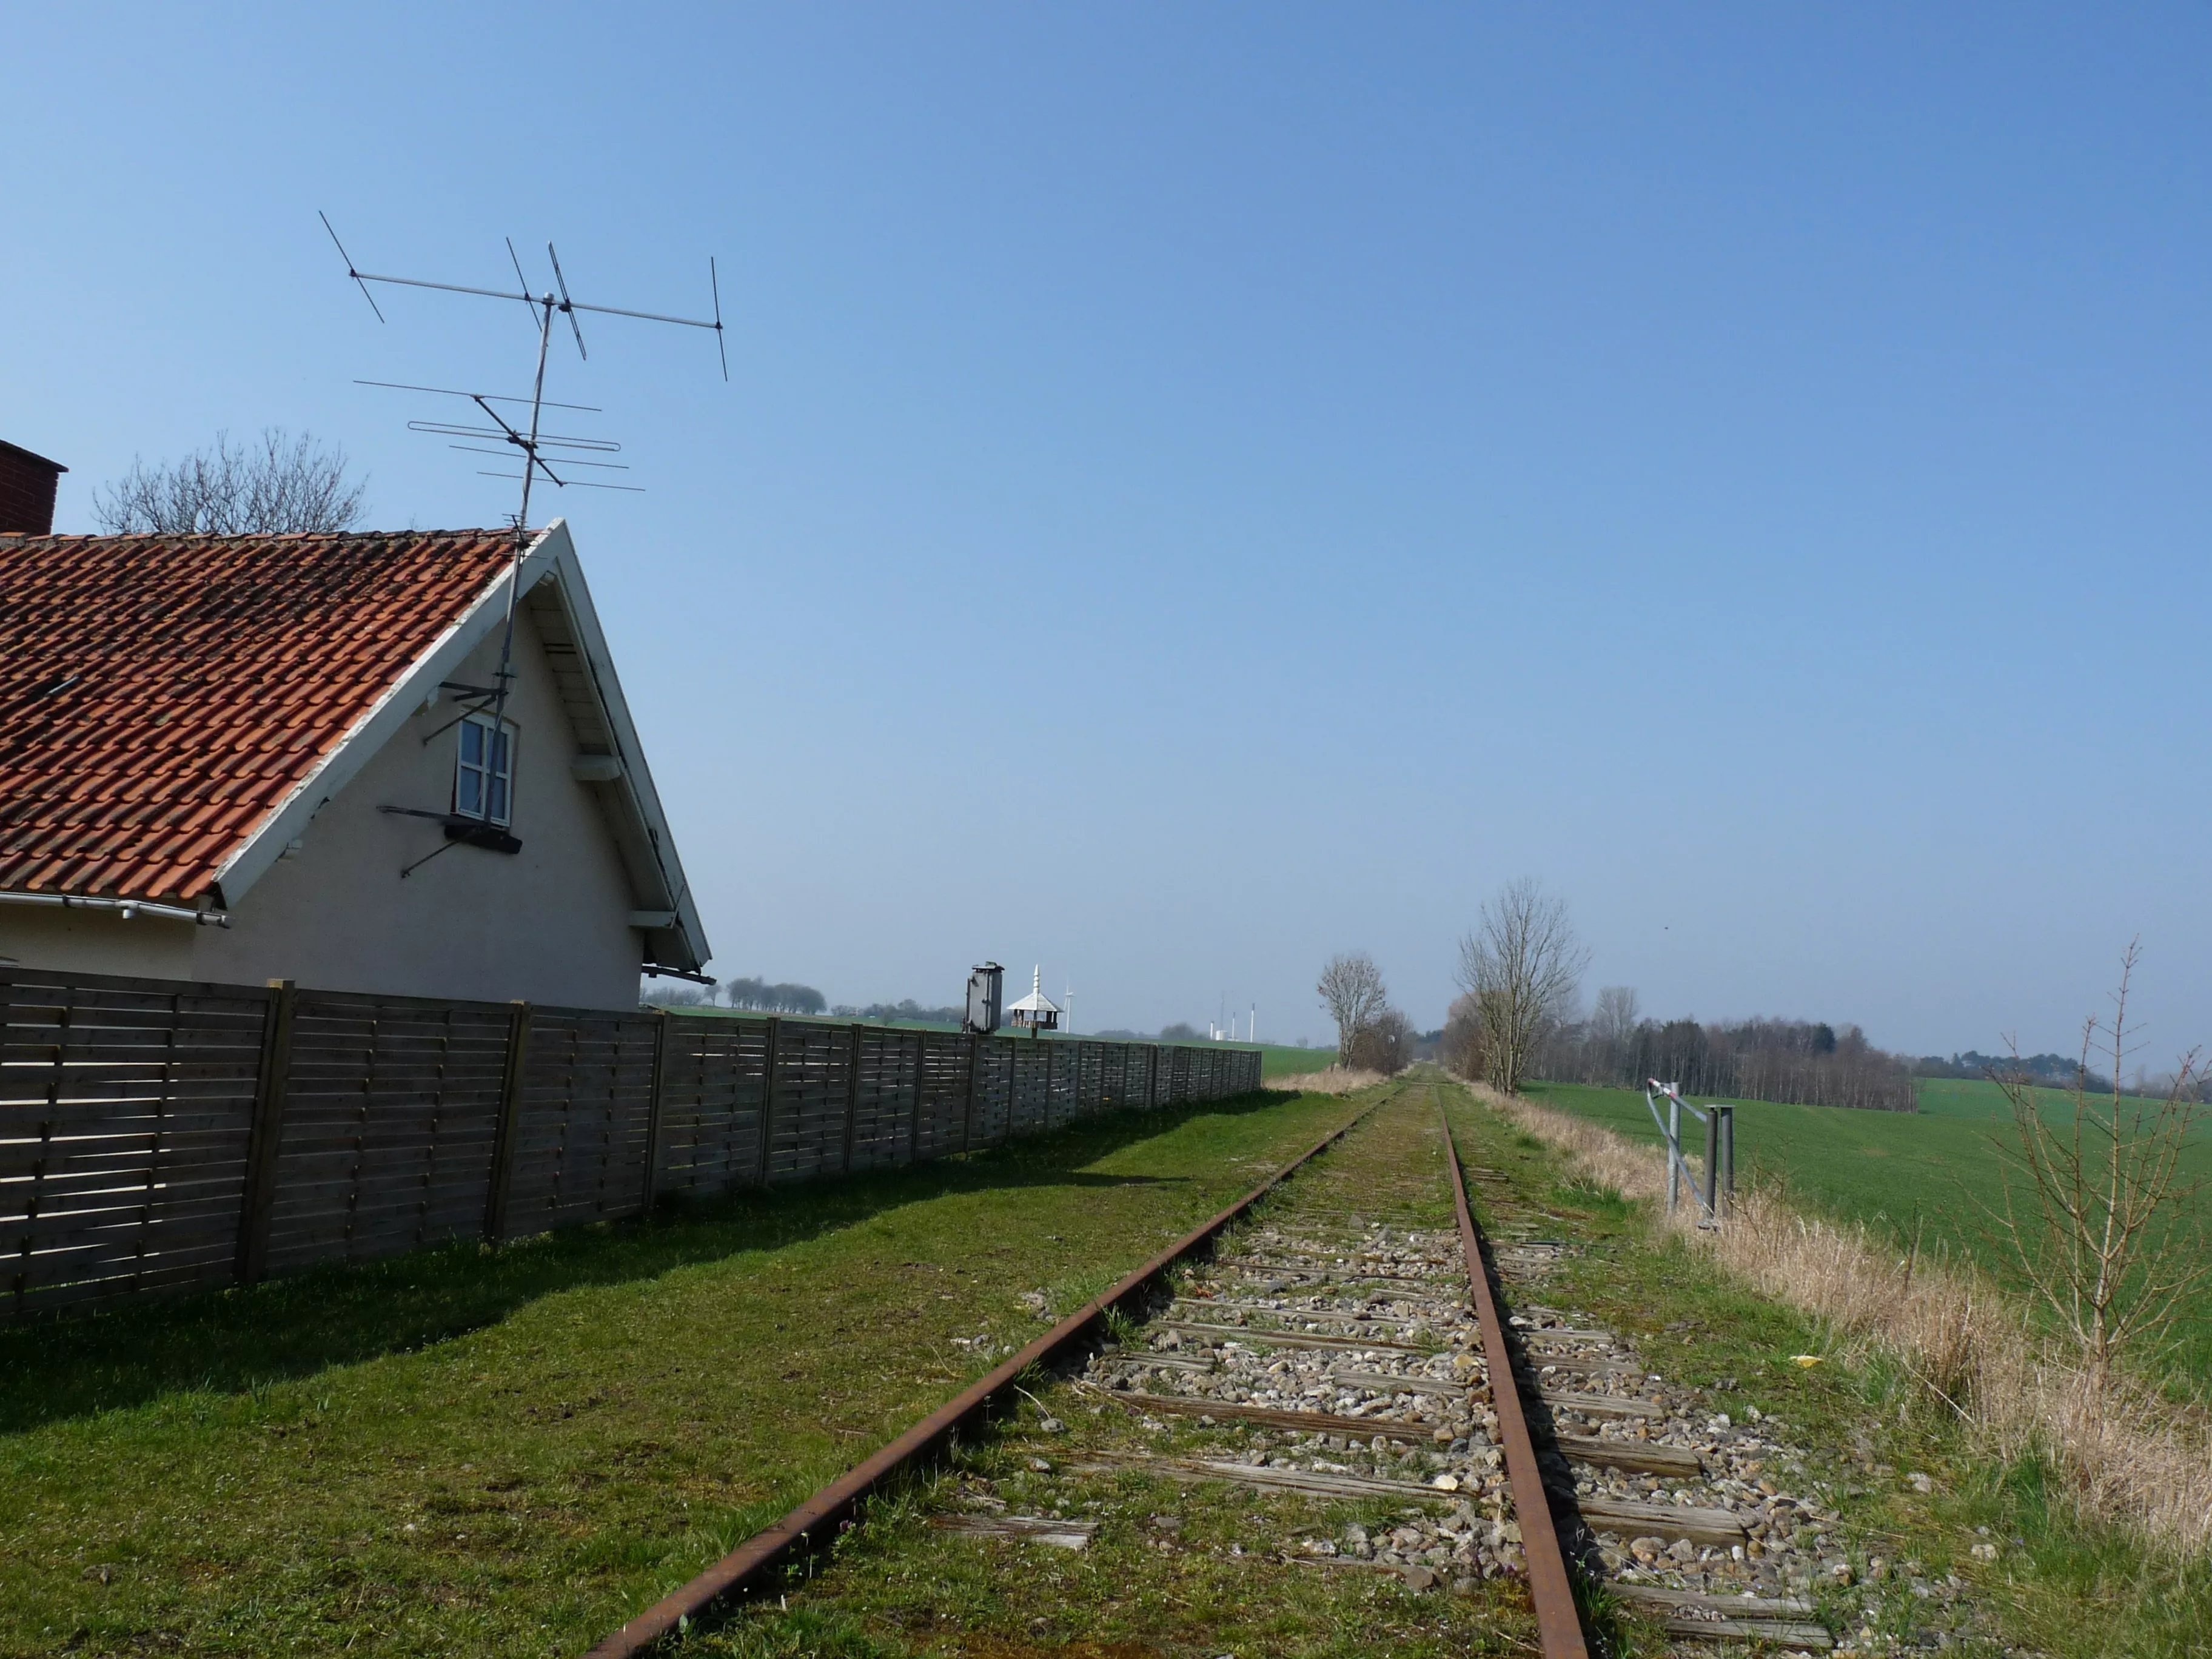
{"x":160,"y":696}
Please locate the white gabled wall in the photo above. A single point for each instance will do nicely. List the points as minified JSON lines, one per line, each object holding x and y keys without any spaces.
{"x":549,"y":924}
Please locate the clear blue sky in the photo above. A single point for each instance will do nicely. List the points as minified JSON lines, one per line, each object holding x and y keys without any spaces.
{"x":1203,"y":487}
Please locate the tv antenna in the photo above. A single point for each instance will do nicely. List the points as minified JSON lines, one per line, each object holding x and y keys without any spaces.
{"x":531,"y":441}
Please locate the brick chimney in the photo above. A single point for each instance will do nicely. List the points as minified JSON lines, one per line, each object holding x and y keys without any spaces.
{"x":26,"y":492}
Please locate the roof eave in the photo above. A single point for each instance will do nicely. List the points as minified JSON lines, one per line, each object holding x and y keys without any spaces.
{"x":634,"y":790}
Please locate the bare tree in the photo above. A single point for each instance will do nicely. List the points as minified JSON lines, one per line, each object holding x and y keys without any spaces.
{"x":285,"y":485}
{"x":1351,"y":990}
{"x":1523,"y":967}
{"x":1613,"y":1019}
{"x":2108,"y":1239}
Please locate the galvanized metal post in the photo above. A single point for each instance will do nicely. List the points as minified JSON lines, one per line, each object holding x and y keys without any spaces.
{"x":1728,"y":1155}
{"x":1674,"y":1149}
{"x":1712,"y":1161}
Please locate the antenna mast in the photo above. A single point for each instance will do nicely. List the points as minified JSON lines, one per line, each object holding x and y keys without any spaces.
{"x":534,"y":442}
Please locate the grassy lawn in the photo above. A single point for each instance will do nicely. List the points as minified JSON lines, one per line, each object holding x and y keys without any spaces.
{"x":1899,"y":1172}
{"x":2065,"y":1591}
{"x":469,"y":1451}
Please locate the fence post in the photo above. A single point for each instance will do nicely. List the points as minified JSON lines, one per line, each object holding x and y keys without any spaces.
{"x":920,"y":1094}
{"x":1728,"y":1154}
{"x":662,"y":1022}
{"x":18,"y":1284}
{"x":852,"y":1095}
{"x":506,"y":1141}
{"x":258,"y":1202}
{"x":768,"y":1100}
{"x":975,"y":1065}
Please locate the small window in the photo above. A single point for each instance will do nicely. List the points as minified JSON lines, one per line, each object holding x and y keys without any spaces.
{"x":483,"y":778}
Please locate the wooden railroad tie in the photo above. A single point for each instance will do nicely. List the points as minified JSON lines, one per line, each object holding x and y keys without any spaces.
{"x":1315,"y":1482}
{"x":1416,"y":1433}
{"x":1296,"y":1339}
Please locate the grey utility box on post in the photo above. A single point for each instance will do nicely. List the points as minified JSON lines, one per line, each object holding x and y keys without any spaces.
{"x":986,"y":988}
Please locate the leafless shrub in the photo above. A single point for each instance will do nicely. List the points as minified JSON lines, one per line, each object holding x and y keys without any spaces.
{"x":1384,"y":1044}
{"x":2095,"y":1208}
{"x":1352,"y":991}
{"x":1523,"y":966}
{"x":2130,"y":1458}
{"x":286,"y":485}
{"x":1460,"y":1051}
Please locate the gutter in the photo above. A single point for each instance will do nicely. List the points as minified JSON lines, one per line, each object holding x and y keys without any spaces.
{"x":127,"y":909}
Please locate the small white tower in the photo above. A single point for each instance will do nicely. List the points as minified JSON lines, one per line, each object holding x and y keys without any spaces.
{"x":1035,"y":1010}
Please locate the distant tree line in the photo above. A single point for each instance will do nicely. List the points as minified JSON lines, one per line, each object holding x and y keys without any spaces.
{"x":907,"y":1008}
{"x":1794,"y":1061}
{"x":2036,"y":1071}
{"x":754,"y":995}
{"x":1182,"y":1032}
{"x":1520,"y":1017}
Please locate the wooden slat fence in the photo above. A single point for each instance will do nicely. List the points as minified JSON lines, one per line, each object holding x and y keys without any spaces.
{"x":159,"y":1135}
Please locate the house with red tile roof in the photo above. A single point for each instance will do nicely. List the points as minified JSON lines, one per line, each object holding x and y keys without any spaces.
{"x":244,"y":758}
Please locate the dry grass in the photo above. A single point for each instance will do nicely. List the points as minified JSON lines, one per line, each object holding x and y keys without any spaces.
{"x":2128,"y":1457}
{"x":1336,"y":1080}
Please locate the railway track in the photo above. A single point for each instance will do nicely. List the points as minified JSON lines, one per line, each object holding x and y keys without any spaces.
{"x":1328,"y":1346}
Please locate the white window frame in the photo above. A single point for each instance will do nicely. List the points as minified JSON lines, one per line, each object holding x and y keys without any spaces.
{"x":480,"y":779}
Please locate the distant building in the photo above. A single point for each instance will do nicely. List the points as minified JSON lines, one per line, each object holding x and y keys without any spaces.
{"x":1036,"y":1011}
{"x":239,"y":758}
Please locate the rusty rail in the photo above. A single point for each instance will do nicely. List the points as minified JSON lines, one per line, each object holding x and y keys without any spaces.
{"x":817,"y":1515}
{"x":1558,"y":1627}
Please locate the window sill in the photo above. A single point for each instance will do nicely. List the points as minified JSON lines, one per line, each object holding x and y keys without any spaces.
{"x":477,"y":833}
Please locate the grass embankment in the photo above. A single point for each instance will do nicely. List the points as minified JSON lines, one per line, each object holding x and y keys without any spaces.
{"x":2068,"y":1588}
{"x":469,"y":1451}
{"x":1903,"y":1174}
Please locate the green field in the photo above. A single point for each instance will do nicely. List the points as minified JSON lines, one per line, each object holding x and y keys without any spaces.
{"x":1928,"y":1172}
{"x":1278,"y":1061}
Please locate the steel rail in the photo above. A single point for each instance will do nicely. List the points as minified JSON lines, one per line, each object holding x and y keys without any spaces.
{"x":1558,"y":1625}
{"x":817,"y":1518}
